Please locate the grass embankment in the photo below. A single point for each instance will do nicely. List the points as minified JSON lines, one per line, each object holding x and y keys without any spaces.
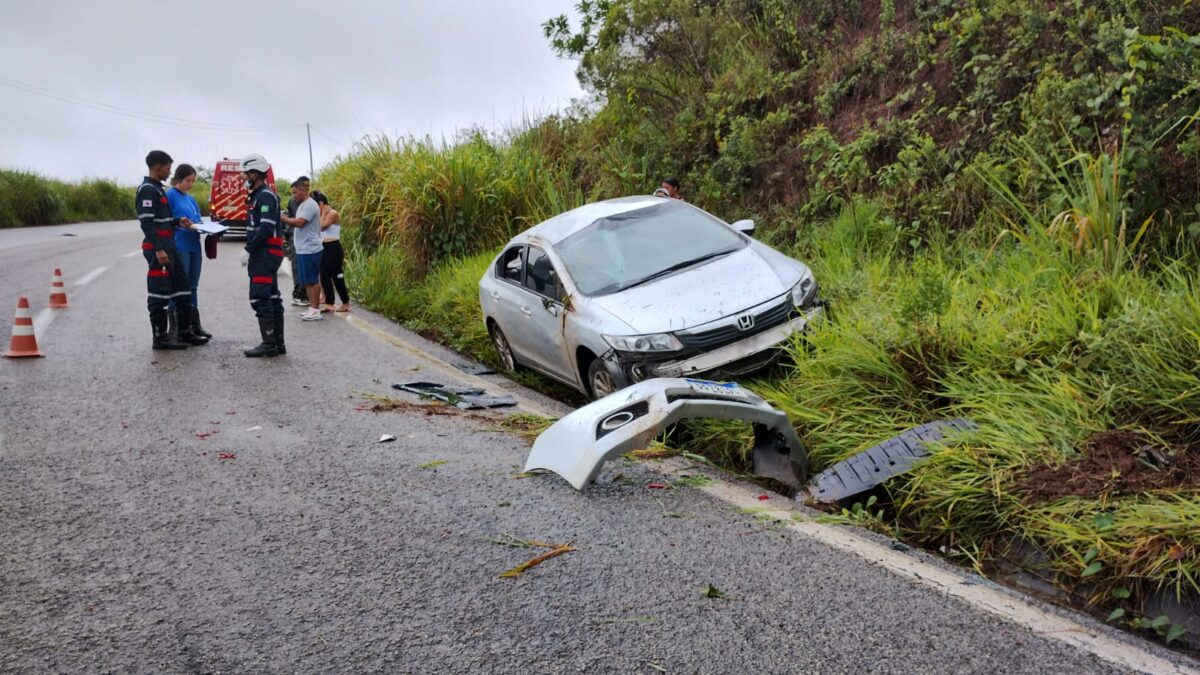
{"x":924,"y":160}
{"x":29,"y":199}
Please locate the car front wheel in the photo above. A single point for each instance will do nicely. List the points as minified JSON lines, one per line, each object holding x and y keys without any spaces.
{"x":507,"y":360}
{"x":600,"y":381}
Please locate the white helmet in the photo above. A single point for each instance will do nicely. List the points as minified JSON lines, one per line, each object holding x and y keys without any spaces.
{"x":256,"y":163}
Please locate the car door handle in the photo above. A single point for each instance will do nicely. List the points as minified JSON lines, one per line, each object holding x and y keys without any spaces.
{"x":526,"y":311}
{"x":495,"y":295}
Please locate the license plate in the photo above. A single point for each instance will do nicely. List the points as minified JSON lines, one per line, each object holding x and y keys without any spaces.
{"x":717,"y":388}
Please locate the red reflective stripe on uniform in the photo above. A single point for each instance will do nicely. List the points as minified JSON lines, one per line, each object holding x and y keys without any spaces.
{"x":158,"y":273}
{"x":164,"y":233}
{"x":261,"y":280}
{"x":275,"y":252}
{"x":274,"y":241}
{"x":147,"y":246}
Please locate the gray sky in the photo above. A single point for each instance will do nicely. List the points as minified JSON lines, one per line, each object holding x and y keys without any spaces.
{"x":350,"y":67}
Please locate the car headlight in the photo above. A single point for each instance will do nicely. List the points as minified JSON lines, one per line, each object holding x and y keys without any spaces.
{"x":658,"y":342}
{"x":804,"y":292}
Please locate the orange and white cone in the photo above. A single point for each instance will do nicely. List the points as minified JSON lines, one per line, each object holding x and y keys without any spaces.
{"x":24,"y":342}
{"x":58,"y":291}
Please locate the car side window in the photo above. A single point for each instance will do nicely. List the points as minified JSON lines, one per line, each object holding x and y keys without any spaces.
{"x":509,"y":265}
{"x":540,"y":275}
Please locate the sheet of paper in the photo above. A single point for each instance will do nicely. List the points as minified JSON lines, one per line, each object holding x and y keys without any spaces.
{"x":210,"y":227}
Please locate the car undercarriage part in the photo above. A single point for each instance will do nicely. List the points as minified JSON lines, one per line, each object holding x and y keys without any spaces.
{"x":466,"y":398}
{"x":577,"y":445}
{"x":890,"y":458}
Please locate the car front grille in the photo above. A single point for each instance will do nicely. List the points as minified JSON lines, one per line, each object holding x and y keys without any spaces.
{"x":769,"y":318}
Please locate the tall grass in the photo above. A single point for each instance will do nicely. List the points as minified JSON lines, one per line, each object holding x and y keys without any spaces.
{"x":441,"y":202}
{"x":29,"y":199}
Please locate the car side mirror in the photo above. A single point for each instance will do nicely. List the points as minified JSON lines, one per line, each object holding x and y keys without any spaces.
{"x":745,"y":226}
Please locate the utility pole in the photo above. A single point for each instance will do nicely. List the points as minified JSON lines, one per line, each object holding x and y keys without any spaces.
{"x":311,"y":173}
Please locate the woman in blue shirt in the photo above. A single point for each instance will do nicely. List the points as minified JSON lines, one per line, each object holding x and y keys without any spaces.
{"x":187,"y":239}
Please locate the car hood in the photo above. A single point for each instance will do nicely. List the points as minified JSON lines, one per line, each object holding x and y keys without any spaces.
{"x":712,"y":291}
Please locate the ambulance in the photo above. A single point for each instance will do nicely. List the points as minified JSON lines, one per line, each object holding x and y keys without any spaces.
{"x":229,"y":196}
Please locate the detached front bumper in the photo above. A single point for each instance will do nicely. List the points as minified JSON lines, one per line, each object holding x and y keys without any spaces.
{"x":730,"y":361}
{"x":577,"y":445}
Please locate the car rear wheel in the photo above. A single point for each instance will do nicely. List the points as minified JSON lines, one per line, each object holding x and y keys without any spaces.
{"x":507,"y":359}
{"x":600,"y":381}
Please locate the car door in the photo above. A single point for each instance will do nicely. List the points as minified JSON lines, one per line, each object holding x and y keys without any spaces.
{"x":505,"y":294}
{"x":543,"y":313}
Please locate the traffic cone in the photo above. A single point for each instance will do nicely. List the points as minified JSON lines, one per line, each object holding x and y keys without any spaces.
{"x":58,"y":291}
{"x":24,"y":342}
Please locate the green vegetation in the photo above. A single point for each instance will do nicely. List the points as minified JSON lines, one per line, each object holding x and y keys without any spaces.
{"x":1001,"y":199}
{"x":29,"y":199}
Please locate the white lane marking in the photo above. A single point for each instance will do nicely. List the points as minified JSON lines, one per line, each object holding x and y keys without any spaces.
{"x":130,"y":255}
{"x":1007,"y":606}
{"x":91,"y":276}
{"x":42,"y":321}
{"x":1011,"y":608}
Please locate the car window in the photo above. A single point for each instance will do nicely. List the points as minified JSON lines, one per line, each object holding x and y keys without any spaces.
{"x":636,"y":247}
{"x":509,"y":265}
{"x":540,"y":276}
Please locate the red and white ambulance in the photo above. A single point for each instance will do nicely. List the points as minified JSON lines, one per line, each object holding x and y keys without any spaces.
{"x":227,"y":201}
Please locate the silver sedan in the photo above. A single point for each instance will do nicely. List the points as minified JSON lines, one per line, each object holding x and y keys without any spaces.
{"x":628,"y":289}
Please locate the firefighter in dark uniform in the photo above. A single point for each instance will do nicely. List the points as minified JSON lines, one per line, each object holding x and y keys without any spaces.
{"x":165,"y":278}
{"x":263,"y":256}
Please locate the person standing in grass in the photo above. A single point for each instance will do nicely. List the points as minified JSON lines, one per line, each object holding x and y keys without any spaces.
{"x":332,"y":256}
{"x":307,"y":240}
{"x":184,"y":209}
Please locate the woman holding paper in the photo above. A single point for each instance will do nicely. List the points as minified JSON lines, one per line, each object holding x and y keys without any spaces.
{"x":186,"y":213}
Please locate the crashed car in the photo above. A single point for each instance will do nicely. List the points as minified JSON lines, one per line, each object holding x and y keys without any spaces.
{"x":624,"y":290}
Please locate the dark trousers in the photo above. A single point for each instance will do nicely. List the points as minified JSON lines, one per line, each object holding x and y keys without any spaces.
{"x":166,"y":284}
{"x":264,"y":285}
{"x":332,"y":259}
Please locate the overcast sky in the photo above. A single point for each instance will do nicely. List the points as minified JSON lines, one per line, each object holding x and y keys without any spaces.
{"x":350,"y":68}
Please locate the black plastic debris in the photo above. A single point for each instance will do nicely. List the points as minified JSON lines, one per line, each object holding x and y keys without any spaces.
{"x":890,"y":458}
{"x":465,"y":398}
{"x":474,"y":368}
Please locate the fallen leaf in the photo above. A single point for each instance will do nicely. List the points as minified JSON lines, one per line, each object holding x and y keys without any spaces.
{"x":711,"y":591}
{"x":1176,"y":553}
{"x":537,"y":560}
{"x":430,"y":465}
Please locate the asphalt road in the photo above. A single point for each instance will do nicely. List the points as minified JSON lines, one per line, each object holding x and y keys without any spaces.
{"x":199,"y":511}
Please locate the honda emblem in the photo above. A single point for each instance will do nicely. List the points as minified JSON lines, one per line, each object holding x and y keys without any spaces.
{"x":745,"y":322}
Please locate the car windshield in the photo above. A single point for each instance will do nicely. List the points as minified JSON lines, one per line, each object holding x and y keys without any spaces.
{"x":635,"y":247}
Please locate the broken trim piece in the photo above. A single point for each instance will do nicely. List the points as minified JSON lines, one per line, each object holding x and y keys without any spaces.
{"x":890,"y":458}
{"x":577,"y":445}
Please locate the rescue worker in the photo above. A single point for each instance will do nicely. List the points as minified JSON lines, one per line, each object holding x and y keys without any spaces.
{"x":263,"y":256}
{"x":166,"y":279}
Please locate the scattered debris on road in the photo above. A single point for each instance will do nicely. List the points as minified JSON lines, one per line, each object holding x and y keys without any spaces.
{"x":433,"y":464}
{"x":386,"y":438}
{"x":536,"y":560}
{"x":466,"y":398}
{"x":255,"y":428}
{"x":711,"y":591}
{"x":226,"y":455}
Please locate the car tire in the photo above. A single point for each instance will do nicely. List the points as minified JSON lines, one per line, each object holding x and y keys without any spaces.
{"x":600,"y":382}
{"x":508,"y":359}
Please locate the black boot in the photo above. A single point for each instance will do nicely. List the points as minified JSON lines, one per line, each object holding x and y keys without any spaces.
{"x":162,"y":334}
{"x":279,"y":346}
{"x":183,"y":322}
{"x":196,"y":327}
{"x":267,"y":348}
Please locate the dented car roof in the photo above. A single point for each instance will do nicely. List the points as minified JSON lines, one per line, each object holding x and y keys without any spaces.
{"x":566,"y":224}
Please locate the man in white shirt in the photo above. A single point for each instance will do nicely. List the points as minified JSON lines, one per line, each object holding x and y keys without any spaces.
{"x":306,"y":238}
